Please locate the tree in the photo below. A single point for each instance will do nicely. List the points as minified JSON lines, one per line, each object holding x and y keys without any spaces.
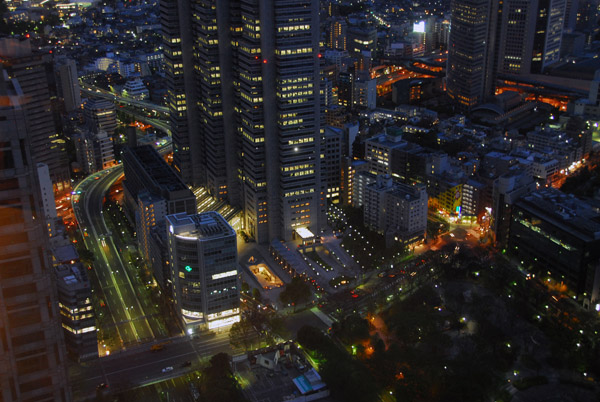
{"x":218,"y":383}
{"x":352,"y":329}
{"x":312,"y":338}
{"x":296,"y":292}
{"x":256,"y":294}
{"x":277,"y":326}
{"x":241,"y":334}
{"x":85,"y":255}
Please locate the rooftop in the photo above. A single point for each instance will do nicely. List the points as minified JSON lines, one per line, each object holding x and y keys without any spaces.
{"x":72,"y":276}
{"x":199,"y":226}
{"x":156,"y":168}
{"x":566,"y":211}
{"x":65,"y":254}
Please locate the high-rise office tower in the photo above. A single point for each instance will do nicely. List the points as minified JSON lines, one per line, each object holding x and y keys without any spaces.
{"x":571,"y":8}
{"x":337,"y":34}
{"x":529,"y":35}
{"x":68,"y":85}
{"x":550,"y":19}
{"x":31,"y":343}
{"x":20,"y":62}
{"x":491,"y":37}
{"x":203,"y":261}
{"x":587,"y":15}
{"x":244,"y":93}
{"x":470,"y":51}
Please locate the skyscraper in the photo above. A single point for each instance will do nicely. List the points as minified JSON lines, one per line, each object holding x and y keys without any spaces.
{"x":68,"y":87}
{"x":470,"y":51}
{"x":20,"y":62}
{"x":244,"y":93}
{"x":529,"y":35}
{"x":336,"y":39}
{"x":491,"y":37}
{"x":31,"y":343}
{"x":550,"y":20}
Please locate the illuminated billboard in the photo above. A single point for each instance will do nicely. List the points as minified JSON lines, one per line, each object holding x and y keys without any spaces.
{"x":419,"y":27}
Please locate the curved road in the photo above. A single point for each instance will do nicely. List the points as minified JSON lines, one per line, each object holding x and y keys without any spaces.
{"x":103,"y":93}
{"x":121,"y":300}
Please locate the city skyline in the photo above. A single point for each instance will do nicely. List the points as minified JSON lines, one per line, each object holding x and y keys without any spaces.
{"x":336,"y":200}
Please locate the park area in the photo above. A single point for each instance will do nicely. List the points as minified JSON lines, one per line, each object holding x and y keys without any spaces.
{"x":479,"y":330}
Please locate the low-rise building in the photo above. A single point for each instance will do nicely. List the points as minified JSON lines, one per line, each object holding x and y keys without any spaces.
{"x":399,"y":211}
{"x":101,"y":114}
{"x":152,"y":190}
{"x":507,"y":189}
{"x":94,"y":150}
{"x":136,"y":89}
{"x":559,"y":235}
{"x":76,"y":311}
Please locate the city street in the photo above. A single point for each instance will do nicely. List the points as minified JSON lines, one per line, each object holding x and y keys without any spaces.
{"x":128,"y":317}
{"x":140,"y":366}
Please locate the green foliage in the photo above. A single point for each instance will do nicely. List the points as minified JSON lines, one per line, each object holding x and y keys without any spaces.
{"x":277,"y":326}
{"x":529,"y":382}
{"x":217,"y":383}
{"x":311,"y":338}
{"x":348,"y":379}
{"x":241,"y":334}
{"x":583,"y":184}
{"x":352,"y":329}
{"x":296,"y":292}
{"x":85,"y":255}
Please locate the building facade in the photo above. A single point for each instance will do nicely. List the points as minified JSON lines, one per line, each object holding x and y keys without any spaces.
{"x":32,"y":357}
{"x":255,"y":137}
{"x":470,"y":52}
{"x":146,"y":171}
{"x":100,"y":114}
{"x":204,"y":270}
{"x":76,"y":311}
{"x":29,"y":68}
{"x":68,"y":84}
{"x":399,"y":211}
{"x":560,"y":235}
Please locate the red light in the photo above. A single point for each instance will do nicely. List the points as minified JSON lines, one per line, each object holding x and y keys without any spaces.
{"x":320,"y":55}
{"x":264,"y":61}
{"x":255,"y":57}
{"x":51,"y":51}
{"x":355,"y":296}
{"x":27,"y":35}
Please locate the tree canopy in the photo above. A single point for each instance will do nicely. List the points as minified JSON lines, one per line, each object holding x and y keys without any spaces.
{"x":296,"y":292}
{"x":217,"y":383}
